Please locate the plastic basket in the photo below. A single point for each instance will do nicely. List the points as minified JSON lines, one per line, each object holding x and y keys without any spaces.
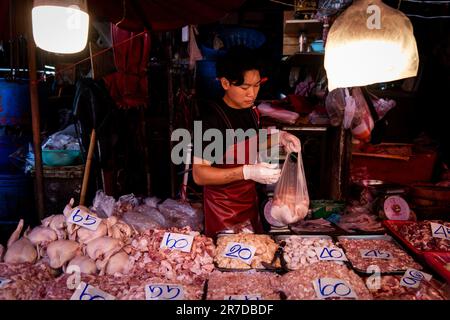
{"x":56,"y":158}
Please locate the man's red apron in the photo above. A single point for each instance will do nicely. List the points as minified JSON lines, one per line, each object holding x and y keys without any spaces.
{"x":235,"y":203}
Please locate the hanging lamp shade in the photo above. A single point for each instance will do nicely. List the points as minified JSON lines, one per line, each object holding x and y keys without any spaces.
{"x":60,"y":26}
{"x":369,"y":43}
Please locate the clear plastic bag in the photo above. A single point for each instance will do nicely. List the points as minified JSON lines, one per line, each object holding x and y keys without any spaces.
{"x":335,"y":105}
{"x":362,"y":124}
{"x":103,"y":204}
{"x":145,"y":218}
{"x":126,"y":203}
{"x":291,"y":200}
{"x":61,"y":140}
{"x":180,"y":214}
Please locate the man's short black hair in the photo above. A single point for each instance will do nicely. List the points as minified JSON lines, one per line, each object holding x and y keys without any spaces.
{"x":236,"y":62}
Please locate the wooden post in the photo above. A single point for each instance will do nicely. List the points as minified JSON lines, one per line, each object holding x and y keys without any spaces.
{"x":171,"y":105}
{"x":35,"y":119}
{"x":87,"y":168}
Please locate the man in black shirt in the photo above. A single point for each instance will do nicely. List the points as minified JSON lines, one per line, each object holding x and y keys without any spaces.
{"x":230,"y":198}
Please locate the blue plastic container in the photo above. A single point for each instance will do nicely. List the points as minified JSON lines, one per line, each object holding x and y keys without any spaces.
{"x":59,"y":158}
{"x":14,"y":103}
{"x":16,"y":200}
{"x":317,"y":46}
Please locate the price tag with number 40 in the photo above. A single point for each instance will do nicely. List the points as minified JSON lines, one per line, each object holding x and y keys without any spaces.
{"x":84,"y":219}
{"x":177,"y":241}
{"x":330,"y":254}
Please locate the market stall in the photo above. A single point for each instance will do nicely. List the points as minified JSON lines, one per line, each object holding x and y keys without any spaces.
{"x":346,"y":219}
{"x":148,"y":249}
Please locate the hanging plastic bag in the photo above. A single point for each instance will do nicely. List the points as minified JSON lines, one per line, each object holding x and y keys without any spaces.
{"x":291,"y":201}
{"x":350,"y":109}
{"x":363,"y":123}
{"x":335,"y":106}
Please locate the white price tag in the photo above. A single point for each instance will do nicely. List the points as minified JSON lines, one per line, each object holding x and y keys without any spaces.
{"x":84,"y":219}
{"x":375,"y":254}
{"x":330,"y":254}
{"x":331,"y":288}
{"x":243,"y":297}
{"x":88,"y":292}
{"x":164,"y":292}
{"x":413,"y":277}
{"x":440,"y":231}
{"x":4,"y":282}
{"x":177,"y":241}
{"x":240,"y":251}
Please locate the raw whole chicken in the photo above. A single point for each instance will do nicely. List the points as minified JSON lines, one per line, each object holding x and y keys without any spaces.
{"x":57,"y":223}
{"x":42,"y":235}
{"x":101,"y":247}
{"x":121,"y":231}
{"x":61,"y":251}
{"x":85,"y":235}
{"x":288,"y":214}
{"x":68,"y":208}
{"x":86,"y":264}
{"x":20,"y":250}
{"x":119,"y":263}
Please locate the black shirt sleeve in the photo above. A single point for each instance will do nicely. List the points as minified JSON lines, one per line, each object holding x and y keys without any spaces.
{"x":209,"y":119}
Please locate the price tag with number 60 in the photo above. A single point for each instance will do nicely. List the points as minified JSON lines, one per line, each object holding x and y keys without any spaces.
{"x":240,"y":251}
{"x":84,"y":219}
{"x":177,"y":241}
{"x":88,"y":292}
{"x":333,"y":288}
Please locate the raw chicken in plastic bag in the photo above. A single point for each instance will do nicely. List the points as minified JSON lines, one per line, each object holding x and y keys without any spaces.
{"x":126,"y":203}
{"x":103,"y":204}
{"x":145,"y":218}
{"x":362,"y":124}
{"x":291,"y":200}
{"x":180,"y":214}
{"x":335,"y":105}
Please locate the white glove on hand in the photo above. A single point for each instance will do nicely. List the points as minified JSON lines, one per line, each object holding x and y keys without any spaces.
{"x":290,"y":142}
{"x":263,"y":172}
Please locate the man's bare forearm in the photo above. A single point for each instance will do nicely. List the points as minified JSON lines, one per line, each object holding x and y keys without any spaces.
{"x":207,"y":175}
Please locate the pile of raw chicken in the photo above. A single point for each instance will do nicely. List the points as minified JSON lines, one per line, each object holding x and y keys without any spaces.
{"x":115,"y":255}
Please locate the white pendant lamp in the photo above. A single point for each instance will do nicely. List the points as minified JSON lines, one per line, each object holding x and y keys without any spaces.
{"x":60,"y":26}
{"x":369,"y":43}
